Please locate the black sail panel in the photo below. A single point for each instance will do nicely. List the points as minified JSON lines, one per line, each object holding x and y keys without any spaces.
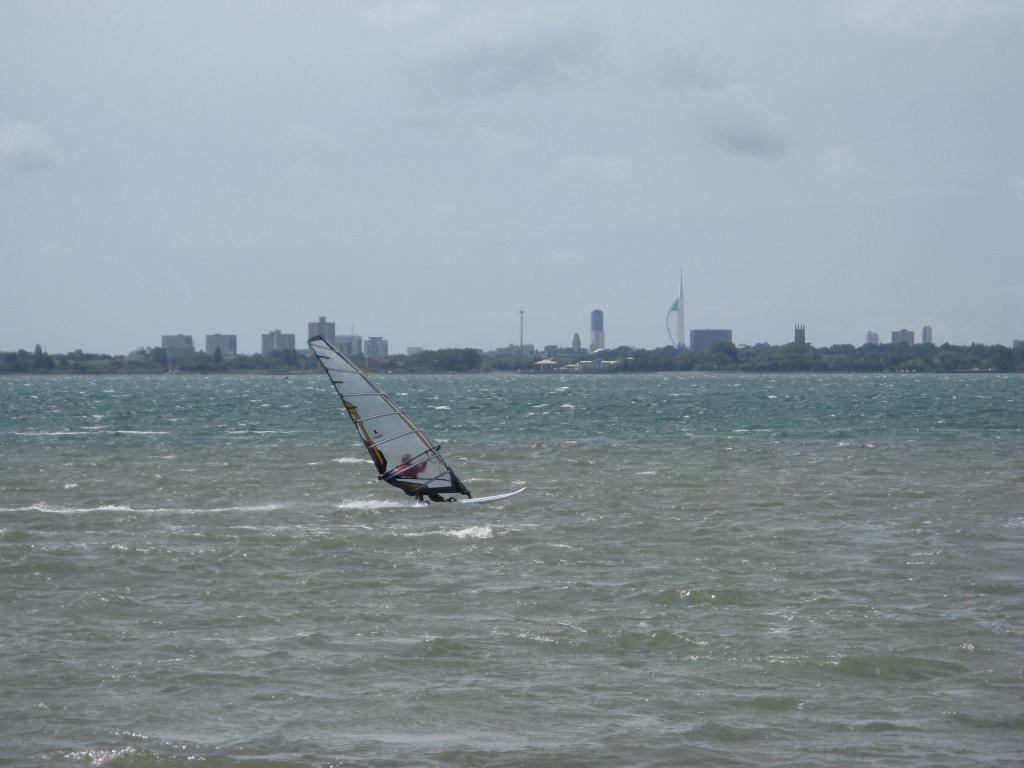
{"x":404,"y":457}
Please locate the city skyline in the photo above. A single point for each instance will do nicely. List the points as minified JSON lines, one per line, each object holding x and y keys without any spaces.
{"x":375,"y":346}
{"x":424,"y":170}
{"x":355,"y":344}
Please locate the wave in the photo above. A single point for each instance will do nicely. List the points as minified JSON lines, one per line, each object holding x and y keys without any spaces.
{"x":40,"y":433}
{"x":91,"y":431}
{"x":350,"y":460}
{"x":371,"y":504}
{"x":472,"y":532}
{"x":897,"y":667}
{"x":56,"y":509}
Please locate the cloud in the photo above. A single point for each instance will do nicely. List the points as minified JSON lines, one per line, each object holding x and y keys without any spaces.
{"x":729,"y":115}
{"x":930,"y":17}
{"x":398,"y":13}
{"x":685,"y":73}
{"x":733,"y":119}
{"x":838,"y":163}
{"x":570,"y":257}
{"x":24,"y":148}
{"x":309,"y":149}
{"x":499,"y":142}
{"x":491,"y":49}
{"x":1016,"y":185}
{"x":591,"y":168}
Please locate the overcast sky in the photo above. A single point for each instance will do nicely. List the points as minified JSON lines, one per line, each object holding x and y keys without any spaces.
{"x":422,"y":170}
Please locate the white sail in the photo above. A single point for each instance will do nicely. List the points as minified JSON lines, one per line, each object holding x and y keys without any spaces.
{"x":404,"y":457}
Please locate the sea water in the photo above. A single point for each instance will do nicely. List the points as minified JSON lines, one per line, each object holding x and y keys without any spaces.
{"x":788,"y":570}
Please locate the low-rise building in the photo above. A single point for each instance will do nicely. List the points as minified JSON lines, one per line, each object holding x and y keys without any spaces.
{"x":275,"y":341}
{"x":350,"y":345}
{"x":706,"y":338}
{"x":178,"y":342}
{"x":226,"y":343}
{"x":376,"y":346}
{"x":321,"y":328}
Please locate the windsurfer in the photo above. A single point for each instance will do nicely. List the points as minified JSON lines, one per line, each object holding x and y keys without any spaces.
{"x":404,"y":469}
{"x":407,"y":470}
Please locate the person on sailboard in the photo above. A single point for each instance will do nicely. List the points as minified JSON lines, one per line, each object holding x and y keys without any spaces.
{"x":405,"y":470}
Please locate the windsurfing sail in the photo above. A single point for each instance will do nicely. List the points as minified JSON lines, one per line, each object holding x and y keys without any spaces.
{"x":404,"y":457}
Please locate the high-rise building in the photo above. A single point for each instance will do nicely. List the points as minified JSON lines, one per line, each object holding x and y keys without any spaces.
{"x":376,"y":346}
{"x":275,"y":341}
{"x":799,"y":334}
{"x":596,"y":330}
{"x":903,"y":336}
{"x":227,"y":343}
{"x":872,"y":338}
{"x":674,"y":325}
{"x":350,"y":344}
{"x":178,"y":342}
{"x":577,"y":345}
{"x":322,"y":328}
{"x":926,"y":335}
{"x":707,"y":338}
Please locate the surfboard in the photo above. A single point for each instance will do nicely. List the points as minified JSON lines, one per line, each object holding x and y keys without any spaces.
{"x":489,"y":499}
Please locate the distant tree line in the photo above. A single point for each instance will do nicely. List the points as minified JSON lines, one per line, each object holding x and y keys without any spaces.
{"x":149,"y":360}
{"x":723,"y":356}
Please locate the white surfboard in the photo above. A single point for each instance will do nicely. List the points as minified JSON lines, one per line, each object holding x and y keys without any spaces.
{"x":489,"y":499}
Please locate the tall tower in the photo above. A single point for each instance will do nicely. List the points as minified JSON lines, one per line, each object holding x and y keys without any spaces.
{"x":520,"y":328}
{"x":926,"y":335}
{"x":674,"y":323}
{"x":596,"y":330}
{"x":799,"y":334}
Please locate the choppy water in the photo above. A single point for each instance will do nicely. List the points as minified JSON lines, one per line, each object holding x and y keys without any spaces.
{"x":707,"y":570}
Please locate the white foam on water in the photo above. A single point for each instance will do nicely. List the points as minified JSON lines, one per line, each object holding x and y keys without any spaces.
{"x":350,"y":460}
{"x":56,"y":509}
{"x":139,"y":432}
{"x":243,"y":508}
{"x":647,"y":472}
{"x":370,"y":504}
{"x":439,"y":407}
{"x":65,"y":433}
{"x":472,"y":532}
{"x":102,"y":756}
